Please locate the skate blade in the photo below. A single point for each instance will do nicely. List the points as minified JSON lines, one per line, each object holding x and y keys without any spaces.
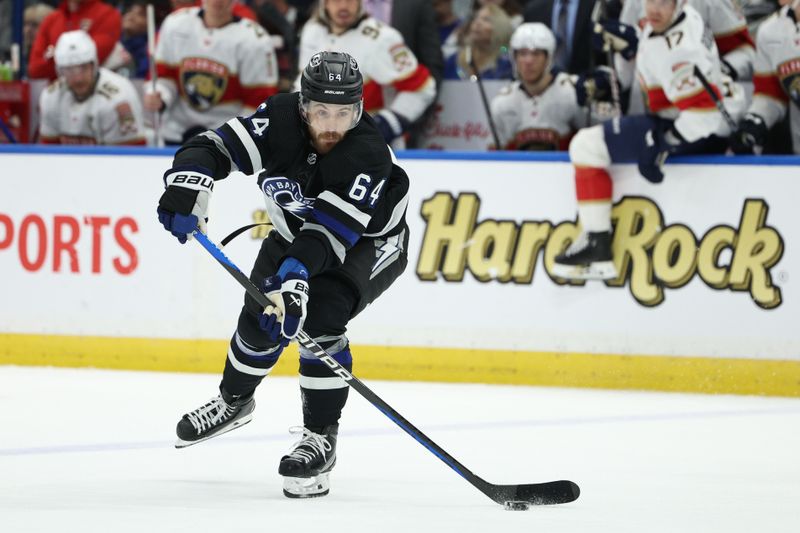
{"x":180,"y":443}
{"x":306,"y":487}
{"x":599,"y":270}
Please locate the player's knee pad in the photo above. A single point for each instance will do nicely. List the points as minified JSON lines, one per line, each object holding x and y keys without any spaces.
{"x":252,"y":357}
{"x":338,"y":347}
{"x":588,"y":148}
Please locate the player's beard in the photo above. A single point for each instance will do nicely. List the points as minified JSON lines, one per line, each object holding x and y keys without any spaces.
{"x":326,"y":140}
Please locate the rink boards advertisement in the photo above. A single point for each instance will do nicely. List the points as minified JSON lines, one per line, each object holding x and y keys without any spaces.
{"x":706,"y":300}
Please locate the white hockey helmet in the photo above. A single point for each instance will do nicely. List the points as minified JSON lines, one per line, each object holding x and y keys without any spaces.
{"x":75,"y":48}
{"x":534,"y":36}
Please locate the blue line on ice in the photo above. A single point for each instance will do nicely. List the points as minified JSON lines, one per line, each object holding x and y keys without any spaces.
{"x":473,"y":426}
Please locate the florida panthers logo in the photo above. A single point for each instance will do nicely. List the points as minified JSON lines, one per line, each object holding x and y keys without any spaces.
{"x":203,"y":82}
{"x":789,"y":74}
{"x":286,"y":193}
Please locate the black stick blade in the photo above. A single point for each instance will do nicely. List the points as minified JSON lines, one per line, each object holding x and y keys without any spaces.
{"x":550,"y":493}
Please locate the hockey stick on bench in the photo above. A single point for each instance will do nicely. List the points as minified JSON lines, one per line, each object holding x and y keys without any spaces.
{"x":548,"y":493}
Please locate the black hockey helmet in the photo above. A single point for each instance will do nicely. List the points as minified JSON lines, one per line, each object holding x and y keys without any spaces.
{"x":332,"y":78}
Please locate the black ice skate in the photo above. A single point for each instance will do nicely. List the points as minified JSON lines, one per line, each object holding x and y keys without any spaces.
{"x":305,"y":469}
{"x":218,"y":416}
{"x":589,"y":257}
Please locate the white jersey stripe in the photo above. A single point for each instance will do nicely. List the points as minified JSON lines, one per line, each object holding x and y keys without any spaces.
{"x":249,"y":145}
{"x":322,"y":383}
{"x":346,"y":207}
{"x":217,"y":140}
{"x":397,"y":215}
{"x":246,"y":369}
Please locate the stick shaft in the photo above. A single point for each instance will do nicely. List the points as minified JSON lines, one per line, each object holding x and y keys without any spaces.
{"x":151,"y":55}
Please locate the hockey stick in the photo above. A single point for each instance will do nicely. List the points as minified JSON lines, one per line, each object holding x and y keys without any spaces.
{"x":717,"y":102}
{"x":548,"y":493}
{"x":484,"y":100}
{"x":616,"y":99}
{"x":151,"y":56}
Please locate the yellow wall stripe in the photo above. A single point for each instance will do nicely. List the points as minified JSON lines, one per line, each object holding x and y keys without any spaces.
{"x":661,"y":373}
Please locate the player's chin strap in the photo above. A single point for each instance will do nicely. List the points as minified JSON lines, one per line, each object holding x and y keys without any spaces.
{"x":548,"y":493}
{"x":236,"y":233}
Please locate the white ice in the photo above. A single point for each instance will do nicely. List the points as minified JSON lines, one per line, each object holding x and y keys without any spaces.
{"x":92,"y":451}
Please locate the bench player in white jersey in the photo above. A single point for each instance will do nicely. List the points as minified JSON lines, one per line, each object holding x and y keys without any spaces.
{"x":397,"y":88}
{"x":211,"y":66}
{"x":674,"y":45}
{"x":540,"y":110}
{"x":725,"y":20}
{"x":88,"y":104}
{"x":776,"y":81}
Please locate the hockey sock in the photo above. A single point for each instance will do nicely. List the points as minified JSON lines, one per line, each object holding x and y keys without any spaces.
{"x":323,"y":394}
{"x":247,"y":365}
{"x":593,"y":188}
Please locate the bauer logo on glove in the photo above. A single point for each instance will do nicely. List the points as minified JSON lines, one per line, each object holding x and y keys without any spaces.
{"x":288,"y":291}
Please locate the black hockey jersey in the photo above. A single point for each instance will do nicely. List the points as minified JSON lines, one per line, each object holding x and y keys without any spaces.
{"x":321,"y":204}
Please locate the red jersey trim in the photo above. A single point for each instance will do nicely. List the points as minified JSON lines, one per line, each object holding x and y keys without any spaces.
{"x":735,"y":39}
{"x":769,"y":85}
{"x":699,"y":100}
{"x":415,"y":81}
{"x":373,"y":96}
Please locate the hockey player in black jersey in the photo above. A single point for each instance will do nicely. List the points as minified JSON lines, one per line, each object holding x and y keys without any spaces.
{"x":337,"y":201}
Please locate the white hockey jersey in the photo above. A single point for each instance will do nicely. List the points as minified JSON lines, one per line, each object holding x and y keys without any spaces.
{"x":385,"y":62}
{"x":546,"y":121}
{"x":208,"y":75}
{"x":111,"y":115}
{"x":777,"y":76}
{"x":665,"y":66}
{"x":725,"y":20}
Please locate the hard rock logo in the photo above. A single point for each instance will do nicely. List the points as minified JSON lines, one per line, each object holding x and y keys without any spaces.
{"x":649,"y":254}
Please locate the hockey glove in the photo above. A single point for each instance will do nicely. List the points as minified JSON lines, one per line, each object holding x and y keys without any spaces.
{"x":184,"y":205}
{"x":390,"y":124}
{"x":660,"y":140}
{"x":749,"y":138}
{"x":288,"y":291}
{"x":594,"y":86}
{"x":614,"y":36}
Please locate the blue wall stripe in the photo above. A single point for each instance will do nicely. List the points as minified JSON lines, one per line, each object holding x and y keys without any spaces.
{"x":433,"y":155}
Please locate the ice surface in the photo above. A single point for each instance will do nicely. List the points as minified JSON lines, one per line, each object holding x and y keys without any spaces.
{"x":89,"y":451}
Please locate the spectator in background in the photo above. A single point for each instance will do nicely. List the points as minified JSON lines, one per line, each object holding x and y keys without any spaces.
{"x":278,"y":18}
{"x":382,"y":56}
{"x":485,"y":46}
{"x":416,"y":22}
{"x":88,"y":104}
{"x":513,"y":9}
{"x":570,"y":21}
{"x":102,"y":21}
{"x":239,"y":10}
{"x":32,"y":19}
{"x":211,"y":67}
{"x":130,"y":57}
{"x":541,"y":110}
{"x":448,"y":23}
